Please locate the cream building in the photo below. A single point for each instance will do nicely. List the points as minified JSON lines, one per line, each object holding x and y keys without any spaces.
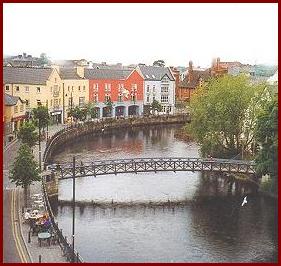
{"x":75,"y":88}
{"x":14,"y":115}
{"x":36,"y":86}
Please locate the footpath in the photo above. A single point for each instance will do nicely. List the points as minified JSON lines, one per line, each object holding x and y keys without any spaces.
{"x":31,"y":250}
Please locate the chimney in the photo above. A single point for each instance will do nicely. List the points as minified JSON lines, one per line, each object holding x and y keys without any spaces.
{"x":80,"y":71}
{"x":190,"y":71}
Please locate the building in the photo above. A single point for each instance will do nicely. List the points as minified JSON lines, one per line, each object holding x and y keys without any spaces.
{"x":14,"y":115}
{"x":159,"y":84}
{"x":115,"y":92}
{"x":75,"y":88}
{"x":36,"y":86}
{"x":23,"y":60}
{"x":192,"y":80}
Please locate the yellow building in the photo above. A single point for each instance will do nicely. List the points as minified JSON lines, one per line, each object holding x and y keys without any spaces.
{"x":36,"y":86}
{"x":75,"y":88}
{"x":14,"y":115}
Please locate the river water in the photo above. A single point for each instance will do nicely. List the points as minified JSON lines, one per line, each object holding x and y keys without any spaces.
{"x":208,"y":225}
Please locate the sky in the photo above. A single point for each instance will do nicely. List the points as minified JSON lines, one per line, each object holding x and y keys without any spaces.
{"x":142,"y":33}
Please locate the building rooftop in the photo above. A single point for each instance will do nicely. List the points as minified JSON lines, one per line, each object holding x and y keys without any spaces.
{"x":196,"y":76}
{"x":26,"y":75}
{"x":11,"y":100}
{"x":155,"y":73}
{"x":69,"y":73}
{"x":107,"y":73}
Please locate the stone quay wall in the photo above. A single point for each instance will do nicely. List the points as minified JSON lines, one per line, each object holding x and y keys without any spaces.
{"x":71,"y":133}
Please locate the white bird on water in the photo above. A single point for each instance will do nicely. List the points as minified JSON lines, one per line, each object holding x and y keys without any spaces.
{"x":244,"y":201}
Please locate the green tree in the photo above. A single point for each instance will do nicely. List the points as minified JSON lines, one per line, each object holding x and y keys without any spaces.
{"x":266,"y":134}
{"x":91,"y":110}
{"x":109,"y":106}
{"x":24,"y":170}
{"x":156,"y":106}
{"x":27,"y":134}
{"x":44,"y":60}
{"x":223,"y":115}
{"x":78,"y":114}
{"x":41,"y":114}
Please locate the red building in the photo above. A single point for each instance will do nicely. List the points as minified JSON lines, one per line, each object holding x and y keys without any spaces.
{"x":116,"y":92}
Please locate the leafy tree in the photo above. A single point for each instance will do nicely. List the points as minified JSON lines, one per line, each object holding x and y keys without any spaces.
{"x":159,"y":63}
{"x":78,"y":114}
{"x":223,"y":115}
{"x":25,"y":169}
{"x":109,"y":106}
{"x":91,"y":110}
{"x":44,"y":60}
{"x":41,"y":114}
{"x":266,"y":133}
{"x":156,"y":106}
{"x":27,"y":134}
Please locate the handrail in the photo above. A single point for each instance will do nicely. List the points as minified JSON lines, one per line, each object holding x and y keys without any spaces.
{"x":67,"y":248}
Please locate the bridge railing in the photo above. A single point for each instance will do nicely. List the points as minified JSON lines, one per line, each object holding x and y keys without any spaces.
{"x":66,"y":247}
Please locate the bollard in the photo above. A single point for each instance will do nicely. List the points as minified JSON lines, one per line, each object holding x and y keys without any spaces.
{"x":40,"y":258}
{"x":29,"y":238}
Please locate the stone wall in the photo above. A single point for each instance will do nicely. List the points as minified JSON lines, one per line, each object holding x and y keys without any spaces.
{"x":69,"y":134}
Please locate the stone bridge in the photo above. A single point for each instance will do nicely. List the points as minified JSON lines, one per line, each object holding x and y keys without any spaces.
{"x":137,"y":165}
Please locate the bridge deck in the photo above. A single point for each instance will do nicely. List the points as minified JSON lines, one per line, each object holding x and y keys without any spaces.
{"x":136,"y":165}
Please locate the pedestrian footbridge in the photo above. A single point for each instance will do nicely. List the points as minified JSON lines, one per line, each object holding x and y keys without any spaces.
{"x":138,"y":165}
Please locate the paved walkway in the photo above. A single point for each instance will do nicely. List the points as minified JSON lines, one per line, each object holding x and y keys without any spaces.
{"x":16,"y":246}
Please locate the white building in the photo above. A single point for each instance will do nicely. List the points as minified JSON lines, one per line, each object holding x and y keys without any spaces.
{"x":159,"y":84}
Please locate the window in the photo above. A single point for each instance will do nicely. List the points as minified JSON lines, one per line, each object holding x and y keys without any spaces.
{"x":133,"y":98}
{"x":147,"y":88}
{"x":26,"y":89}
{"x":70,"y":102}
{"x":39,"y":103}
{"x":96,"y":87}
{"x":95,"y":98}
{"x":79,"y":88}
{"x":56,"y":103}
{"x":81,"y":101}
{"x":17,"y":88}
{"x":165,"y":89}
{"x":164,"y":98}
{"x":107,"y":98}
{"x":134,"y":87}
{"x":107,"y":87}
{"x":7,"y":88}
{"x":51,"y":89}
{"x":38,"y":89}
{"x":55,"y":80}
{"x":68,"y":88}
{"x":153,"y":98}
{"x":15,"y":109}
{"x":119,"y":98}
{"x":147,"y":99}
{"x":27,"y":103}
{"x":153,"y":88}
{"x":84,"y":88}
{"x":120,"y":87}
{"x":21,"y":108}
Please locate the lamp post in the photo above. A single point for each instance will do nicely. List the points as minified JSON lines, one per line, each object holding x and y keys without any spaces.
{"x":39,"y":127}
{"x":73,"y":210}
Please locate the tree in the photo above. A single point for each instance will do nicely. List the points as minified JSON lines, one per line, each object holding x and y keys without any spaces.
{"x":156,"y":106}
{"x":109,"y":106}
{"x":25,"y":169}
{"x":78,"y":114}
{"x":223,"y":115}
{"x":41,"y":114}
{"x":159,"y":63}
{"x":91,"y":110}
{"x":27,"y":134}
{"x":44,"y":60}
{"x":266,"y":134}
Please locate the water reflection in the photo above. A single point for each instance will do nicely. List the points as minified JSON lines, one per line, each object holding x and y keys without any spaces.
{"x":209,"y":225}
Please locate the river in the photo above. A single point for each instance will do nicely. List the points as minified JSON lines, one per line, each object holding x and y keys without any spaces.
{"x":208,"y":225}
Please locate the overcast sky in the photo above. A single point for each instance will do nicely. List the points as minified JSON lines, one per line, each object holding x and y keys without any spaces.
{"x":143,"y":33}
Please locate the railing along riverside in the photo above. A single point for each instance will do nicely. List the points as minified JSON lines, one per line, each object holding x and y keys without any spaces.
{"x":107,"y":122}
{"x":65,"y":246}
